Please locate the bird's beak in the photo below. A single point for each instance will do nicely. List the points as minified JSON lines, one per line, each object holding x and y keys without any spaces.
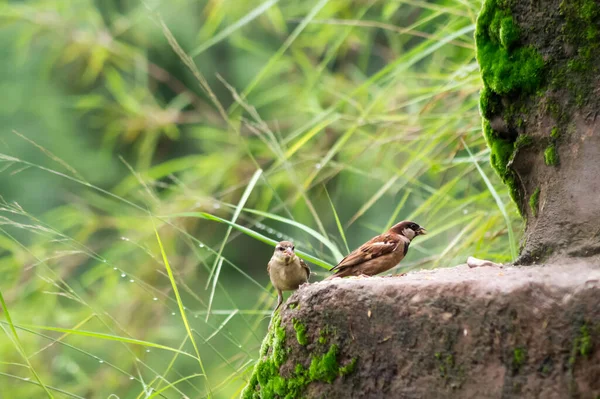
{"x":289,"y":252}
{"x":422,"y":231}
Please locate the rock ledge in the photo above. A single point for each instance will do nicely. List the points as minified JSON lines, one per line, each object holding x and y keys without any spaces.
{"x":460,"y":332}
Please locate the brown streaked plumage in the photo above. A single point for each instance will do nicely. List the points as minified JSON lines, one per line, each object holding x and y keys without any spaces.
{"x":286,"y":270}
{"x":380,"y":253}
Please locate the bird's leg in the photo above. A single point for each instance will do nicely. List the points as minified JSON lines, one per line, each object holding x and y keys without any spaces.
{"x":279,"y":300}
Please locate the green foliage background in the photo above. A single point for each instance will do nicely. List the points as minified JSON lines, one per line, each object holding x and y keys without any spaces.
{"x":223,"y":126}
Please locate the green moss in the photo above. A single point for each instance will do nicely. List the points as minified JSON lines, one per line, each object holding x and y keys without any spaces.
{"x":554,"y":109}
{"x":293,"y":306}
{"x":349,"y":368}
{"x":325,"y":368}
{"x":551,"y":155}
{"x":300,"y":331}
{"x":582,"y":346}
{"x":506,"y":74}
{"x":519,"y":357}
{"x":585,"y":341}
{"x":323,"y":333}
{"x":546,"y":369}
{"x":266,"y":380}
{"x":505,"y":67}
{"x":490,"y":103}
{"x":554,"y":133}
{"x":581,"y":31}
{"x":508,"y":33}
{"x":523,"y":141}
{"x":501,"y":151}
{"x":533,"y":201}
{"x":445,"y":364}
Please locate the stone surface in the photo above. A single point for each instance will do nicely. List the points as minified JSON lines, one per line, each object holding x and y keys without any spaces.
{"x":488,"y":332}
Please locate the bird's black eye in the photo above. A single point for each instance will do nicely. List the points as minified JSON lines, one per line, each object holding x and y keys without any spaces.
{"x":293,"y":248}
{"x":280,"y":248}
{"x":414,"y":227}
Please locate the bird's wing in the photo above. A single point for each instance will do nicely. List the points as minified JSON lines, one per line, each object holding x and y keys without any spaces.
{"x":381,"y":245}
{"x":305,"y":267}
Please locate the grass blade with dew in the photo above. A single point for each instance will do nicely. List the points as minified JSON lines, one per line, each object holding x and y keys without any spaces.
{"x":19,"y":346}
{"x":499,"y":202}
{"x":27,"y":380}
{"x":104,"y":336}
{"x":181,"y":307}
{"x":251,"y":233}
{"x":322,"y":239}
{"x":160,"y":391}
{"x":216,"y":269}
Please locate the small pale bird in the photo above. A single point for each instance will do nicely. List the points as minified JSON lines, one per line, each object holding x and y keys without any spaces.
{"x":286,"y":270}
{"x":380,"y":253}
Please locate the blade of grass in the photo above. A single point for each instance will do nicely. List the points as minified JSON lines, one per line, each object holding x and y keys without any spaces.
{"x":258,"y":11}
{"x":373,"y":199}
{"x":160,"y":391}
{"x":310,"y":134}
{"x":390,"y":222}
{"x":219,"y":259}
{"x":181,"y":307}
{"x":499,"y":202}
{"x":251,"y":233}
{"x":170,"y":365}
{"x":273,"y":60}
{"x":69,"y":394}
{"x":104,"y":336}
{"x":337,"y":220}
{"x":19,"y":346}
{"x":322,"y":239}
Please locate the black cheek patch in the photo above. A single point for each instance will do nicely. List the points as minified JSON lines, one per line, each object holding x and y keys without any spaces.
{"x":406,"y":244}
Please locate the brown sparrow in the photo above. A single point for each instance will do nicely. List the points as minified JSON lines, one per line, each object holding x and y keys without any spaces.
{"x":286,"y":270}
{"x":379,"y":254}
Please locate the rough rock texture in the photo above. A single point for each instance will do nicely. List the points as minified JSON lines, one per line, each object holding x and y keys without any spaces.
{"x":488,"y":332}
{"x":540,"y":65}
